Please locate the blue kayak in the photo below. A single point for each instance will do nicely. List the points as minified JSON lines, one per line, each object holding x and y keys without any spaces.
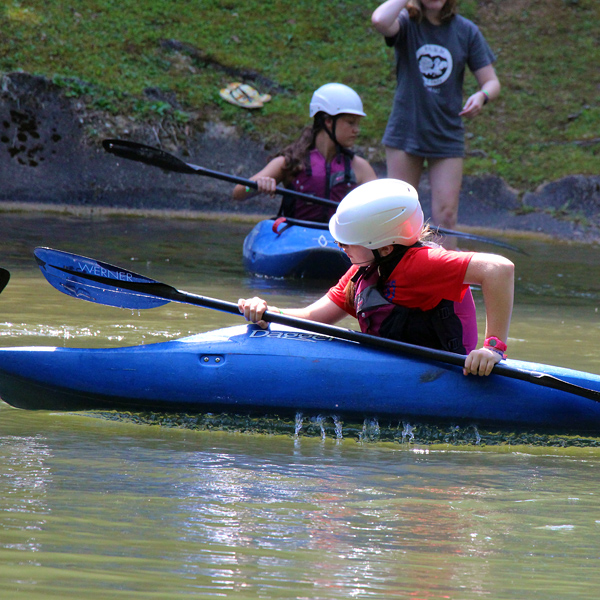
{"x":293,"y":251}
{"x":284,"y":371}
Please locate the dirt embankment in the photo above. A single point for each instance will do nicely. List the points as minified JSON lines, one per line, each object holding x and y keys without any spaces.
{"x":48,"y":157}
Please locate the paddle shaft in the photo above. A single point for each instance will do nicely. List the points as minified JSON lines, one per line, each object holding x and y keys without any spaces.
{"x":80,"y":271}
{"x":169,"y":293}
{"x":159,"y":158}
{"x":440,"y":230}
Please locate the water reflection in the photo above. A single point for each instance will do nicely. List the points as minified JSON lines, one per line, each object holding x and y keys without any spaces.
{"x":271,"y":515}
{"x":127,"y":510}
{"x":26,"y":477}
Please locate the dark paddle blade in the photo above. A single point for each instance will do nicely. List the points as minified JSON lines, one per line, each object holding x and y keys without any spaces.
{"x":4,"y":278}
{"x":91,"y":280}
{"x":148,"y":155}
{"x":478,"y":238}
{"x":102,"y":283}
{"x":159,"y":158}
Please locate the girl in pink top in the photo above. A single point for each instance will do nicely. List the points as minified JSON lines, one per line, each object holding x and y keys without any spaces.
{"x":320,"y":162}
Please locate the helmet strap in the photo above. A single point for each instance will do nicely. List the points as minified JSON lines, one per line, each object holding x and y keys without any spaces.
{"x":331,"y":132}
{"x":340,"y":149}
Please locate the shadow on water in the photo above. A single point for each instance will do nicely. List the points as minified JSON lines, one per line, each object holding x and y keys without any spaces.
{"x":369,"y":431}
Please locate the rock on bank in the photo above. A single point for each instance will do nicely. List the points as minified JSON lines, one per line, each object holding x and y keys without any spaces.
{"x":50,"y":153}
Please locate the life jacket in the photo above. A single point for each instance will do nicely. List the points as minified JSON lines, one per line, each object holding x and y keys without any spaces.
{"x":439,"y":328}
{"x":319,"y":178}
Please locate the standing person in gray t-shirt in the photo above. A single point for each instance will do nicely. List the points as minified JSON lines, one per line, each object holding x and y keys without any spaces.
{"x":433,"y":45}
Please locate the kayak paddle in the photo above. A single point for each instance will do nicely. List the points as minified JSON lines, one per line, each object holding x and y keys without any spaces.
{"x":468,"y":236}
{"x":156,"y":157}
{"x":102,"y":283}
{"x":159,"y":158}
{"x":4,"y":278}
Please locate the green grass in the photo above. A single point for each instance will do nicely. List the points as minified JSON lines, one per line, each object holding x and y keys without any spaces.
{"x":107,"y":53}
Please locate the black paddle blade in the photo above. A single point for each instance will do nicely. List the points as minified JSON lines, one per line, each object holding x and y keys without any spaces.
{"x":101,"y":283}
{"x":4,"y":278}
{"x":147,"y":154}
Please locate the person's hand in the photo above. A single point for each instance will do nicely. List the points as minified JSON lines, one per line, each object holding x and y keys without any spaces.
{"x":473,"y":105}
{"x":266,"y":185}
{"x":253,"y":310}
{"x":481,"y":362}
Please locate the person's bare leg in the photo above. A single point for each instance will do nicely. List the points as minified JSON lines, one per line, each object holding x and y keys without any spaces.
{"x":445,"y":177}
{"x":403,"y":166}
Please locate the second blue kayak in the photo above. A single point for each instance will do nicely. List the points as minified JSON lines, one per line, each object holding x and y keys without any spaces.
{"x":293,"y":251}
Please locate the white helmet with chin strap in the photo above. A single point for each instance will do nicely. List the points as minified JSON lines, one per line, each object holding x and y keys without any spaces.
{"x":378,"y":213}
{"x":336,"y":99}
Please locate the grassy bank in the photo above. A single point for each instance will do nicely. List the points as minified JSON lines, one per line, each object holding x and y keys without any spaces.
{"x":165,"y":61}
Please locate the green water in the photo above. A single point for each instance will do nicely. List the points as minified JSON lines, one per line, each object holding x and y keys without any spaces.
{"x":95,"y":508}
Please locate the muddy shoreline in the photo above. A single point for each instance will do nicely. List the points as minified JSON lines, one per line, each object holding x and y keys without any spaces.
{"x":51,"y":160}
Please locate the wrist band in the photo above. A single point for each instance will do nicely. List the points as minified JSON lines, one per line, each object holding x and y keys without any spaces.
{"x":249,"y":189}
{"x":486,"y":96}
{"x":495,"y":343}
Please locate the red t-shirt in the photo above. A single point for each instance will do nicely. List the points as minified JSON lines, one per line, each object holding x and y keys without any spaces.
{"x":422,"y":279}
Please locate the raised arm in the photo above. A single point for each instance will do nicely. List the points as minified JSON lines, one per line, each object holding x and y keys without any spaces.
{"x":385,"y":17}
{"x":495,"y":274}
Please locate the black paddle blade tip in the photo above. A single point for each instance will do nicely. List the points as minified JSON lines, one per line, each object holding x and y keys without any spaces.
{"x":148,"y":155}
{"x":108,"y":145}
{"x":4,"y":278}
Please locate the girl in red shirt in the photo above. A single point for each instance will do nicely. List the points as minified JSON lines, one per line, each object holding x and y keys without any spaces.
{"x":403,"y":287}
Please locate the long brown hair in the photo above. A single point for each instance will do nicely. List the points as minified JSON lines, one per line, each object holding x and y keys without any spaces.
{"x":296,"y":152}
{"x":415,"y":10}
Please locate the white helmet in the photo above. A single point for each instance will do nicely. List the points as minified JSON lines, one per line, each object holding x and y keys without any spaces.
{"x":378,"y":213}
{"x":336,"y":99}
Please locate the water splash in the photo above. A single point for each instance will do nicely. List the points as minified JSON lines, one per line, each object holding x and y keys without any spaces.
{"x":319,"y":421}
{"x":370,"y":431}
{"x":338,"y":427}
{"x":298,"y":424}
{"x":407,"y":432}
